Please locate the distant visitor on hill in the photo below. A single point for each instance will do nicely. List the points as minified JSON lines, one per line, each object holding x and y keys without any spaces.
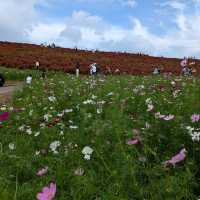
{"x":93,"y":69}
{"x":184,"y":62}
{"x":43,"y":73}
{"x":2,"y":80}
{"x":156,"y":71}
{"x":29,"y":79}
{"x":37,"y":65}
{"x":186,"y":71}
{"x":77,"y":69}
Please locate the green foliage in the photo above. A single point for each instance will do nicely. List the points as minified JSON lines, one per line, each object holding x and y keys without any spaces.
{"x":105,"y":112}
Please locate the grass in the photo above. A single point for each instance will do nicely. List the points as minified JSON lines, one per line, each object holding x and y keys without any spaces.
{"x":106,"y":113}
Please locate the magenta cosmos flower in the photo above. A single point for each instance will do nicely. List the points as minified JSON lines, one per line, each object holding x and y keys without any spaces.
{"x":48,"y":192}
{"x":4,"y":116}
{"x":195,"y":118}
{"x":177,"y":158}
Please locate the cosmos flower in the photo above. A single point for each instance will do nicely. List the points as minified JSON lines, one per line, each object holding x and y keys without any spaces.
{"x":158,"y":115}
{"x":11,"y":146}
{"x":150,"y":107}
{"x":4,"y":116}
{"x":48,"y":192}
{"x":177,"y":158}
{"x":133,"y":142}
{"x":195,"y":136}
{"x":87,"y":152}
{"x":52,"y":99}
{"x":195,"y":118}
{"x":42,"y":171}
{"x":79,"y":172}
{"x":54,"y":145}
{"x":168,"y":117}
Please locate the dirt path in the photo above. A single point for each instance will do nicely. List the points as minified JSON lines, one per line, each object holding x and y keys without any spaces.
{"x":7,"y":91}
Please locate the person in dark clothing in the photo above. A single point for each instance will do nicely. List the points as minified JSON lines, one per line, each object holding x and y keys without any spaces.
{"x":43,"y":75}
{"x":2,"y":80}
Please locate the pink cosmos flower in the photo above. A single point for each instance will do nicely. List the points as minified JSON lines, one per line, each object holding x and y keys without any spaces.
{"x":158,"y":115}
{"x":4,"y":116}
{"x":133,"y":142}
{"x":168,"y":117}
{"x":136,"y":140}
{"x":48,"y":193}
{"x":177,"y":158}
{"x":42,"y":171}
{"x":195,"y":118}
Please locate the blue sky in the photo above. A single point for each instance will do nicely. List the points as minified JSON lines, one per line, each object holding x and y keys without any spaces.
{"x":158,"y":27}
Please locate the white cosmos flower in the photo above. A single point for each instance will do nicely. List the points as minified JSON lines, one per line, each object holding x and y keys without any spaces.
{"x":87,"y":156}
{"x":68,"y":110}
{"x":11,"y":146}
{"x":37,"y":133}
{"x":3,"y":108}
{"x":88,"y":102}
{"x":148,"y":101}
{"x":54,"y":145}
{"x":37,"y":153}
{"x":73,"y":127}
{"x":99,"y":110}
{"x":150,"y":107}
{"x":195,"y":136}
{"x":47,"y":116}
{"x":30,"y":112}
{"x":22,"y":128}
{"x":110,"y":94}
{"x":52,"y":99}
{"x":29,"y":131}
{"x":87,"y":150}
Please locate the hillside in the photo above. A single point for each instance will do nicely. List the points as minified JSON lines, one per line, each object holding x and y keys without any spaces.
{"x":25,"y":55}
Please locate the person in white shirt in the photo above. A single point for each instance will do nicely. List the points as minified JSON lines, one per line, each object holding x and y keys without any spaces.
{"x":156,"y":71}
{"x":93,"y":69}
{"x":77,"y":69}
{"x":29,"y":79}
{"x":37,"y":65}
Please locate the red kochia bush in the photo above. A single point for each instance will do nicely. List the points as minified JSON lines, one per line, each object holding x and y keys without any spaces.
{"x":22,"y":56}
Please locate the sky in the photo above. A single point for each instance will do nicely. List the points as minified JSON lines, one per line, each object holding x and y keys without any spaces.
{"x":169,"y":28}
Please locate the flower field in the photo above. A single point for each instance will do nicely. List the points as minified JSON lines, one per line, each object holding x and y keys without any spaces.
{"x":101,"y":138}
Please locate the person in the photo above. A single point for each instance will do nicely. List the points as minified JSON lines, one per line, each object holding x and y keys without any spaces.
{"x":156,"y":71}
{"x":2,"y":80}
{"x":29,"y":79}
{"x":37,"y":65}
{"x":186,"y":71}
{"x":184,"y":63}
{"x":43,"y":75}
{"x":77,"y":69}
{"x":93,"y":69}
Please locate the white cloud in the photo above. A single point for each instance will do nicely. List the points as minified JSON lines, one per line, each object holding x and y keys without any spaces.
{"x":17,"y":17}
{"x":175,"y":4}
